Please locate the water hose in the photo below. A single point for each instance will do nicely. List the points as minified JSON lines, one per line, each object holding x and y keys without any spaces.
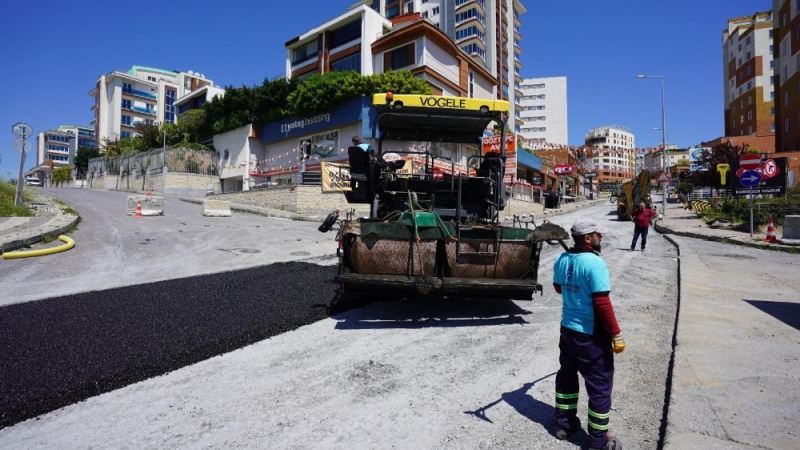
{"x":68,"y":244}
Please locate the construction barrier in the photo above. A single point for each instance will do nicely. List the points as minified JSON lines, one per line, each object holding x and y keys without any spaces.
{"x":216,"y":208}
{"x":151,"y":205}
{"x":791,"y":230}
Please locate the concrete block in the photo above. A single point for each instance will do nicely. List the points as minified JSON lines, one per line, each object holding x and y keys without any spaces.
{"x":791,"y":230}
{"x":216,"y":208}
{"x":151,"y":205}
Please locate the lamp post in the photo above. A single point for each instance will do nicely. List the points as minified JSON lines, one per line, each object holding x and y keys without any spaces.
{"x":664,"y":156}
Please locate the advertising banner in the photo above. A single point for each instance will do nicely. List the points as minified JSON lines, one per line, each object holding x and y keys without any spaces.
{"x":696,"y":158}
{"x":492,"y":144}
{"x":773,"y":178}
{"x":335,"y":176}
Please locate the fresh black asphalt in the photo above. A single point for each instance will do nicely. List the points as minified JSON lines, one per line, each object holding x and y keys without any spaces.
{"x":62,"y":350}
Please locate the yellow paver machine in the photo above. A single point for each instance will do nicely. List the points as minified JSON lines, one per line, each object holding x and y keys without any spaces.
{"x":435,"y":197}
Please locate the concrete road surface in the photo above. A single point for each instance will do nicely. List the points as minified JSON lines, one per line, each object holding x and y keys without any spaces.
{"x":427,"y":374}
{"x":113,"y":249}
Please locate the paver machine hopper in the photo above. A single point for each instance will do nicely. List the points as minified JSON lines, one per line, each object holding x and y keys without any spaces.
{"x":434,"y":226}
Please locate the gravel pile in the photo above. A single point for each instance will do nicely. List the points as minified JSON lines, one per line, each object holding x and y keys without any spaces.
{"x":63,"y":350}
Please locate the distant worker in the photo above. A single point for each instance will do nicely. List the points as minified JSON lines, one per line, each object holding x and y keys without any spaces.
{"x":590,"y":336}
{"x":360,"y":144}
{"x":642,"y":219}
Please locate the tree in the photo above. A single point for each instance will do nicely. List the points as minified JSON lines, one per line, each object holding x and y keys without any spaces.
{"x":191,"y":124}
{"x":724,"y":153}
{"x":61,"y":175}
{"x":83,"y":157}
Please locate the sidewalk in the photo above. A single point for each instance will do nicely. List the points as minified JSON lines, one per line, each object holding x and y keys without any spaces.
{"x":683,"y":222}
{"x":49,"y":222}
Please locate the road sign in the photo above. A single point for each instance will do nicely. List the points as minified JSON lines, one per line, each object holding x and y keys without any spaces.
{"x":750,"y":178}
{"x":590,"y":174}
{"x":750,"y":161}
{"x":723,"y":169}
{"x":663,"y":178}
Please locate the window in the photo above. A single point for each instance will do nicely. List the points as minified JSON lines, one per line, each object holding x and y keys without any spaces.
{"x":772,"y":79}
{"x":125,"y":134}
{"x":352,"y":62}
{"x":305,"y":52}
{"x":345,"y":34}
{"x":169,"y":105}
{"x":126,"y":104}
{"x":434,"y":10}
{"x":772,"y":95}
{"x":468,"y":14}
{"x":786,"y":125}
{"x":748,"y":56}
{"x":399,"y":57}
{"x":471,"y":85}
{"x":127,"y":120}
{"x":772,"y":64}
{"x":149,"y":78}
{"x":469,"y":31}
{"x":749,"y":115}
{"x":393,"y":11}
{"x":409,"y":7}
{"x":770,"y":47}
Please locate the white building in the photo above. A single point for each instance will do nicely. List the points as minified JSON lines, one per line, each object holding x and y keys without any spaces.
{"x":58,"y":148}
{"x":196,"y":99}
{"x":543,"y":110}
{"x":140,"y":95}
{"x":613,"y":153}
{"x":237,"y":152}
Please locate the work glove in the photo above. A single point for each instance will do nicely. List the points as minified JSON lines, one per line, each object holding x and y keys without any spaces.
{"x":617,"y":343}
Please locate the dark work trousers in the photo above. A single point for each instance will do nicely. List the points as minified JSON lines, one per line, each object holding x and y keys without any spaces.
{"x":637,"y":231}
{"x":591,"y":356}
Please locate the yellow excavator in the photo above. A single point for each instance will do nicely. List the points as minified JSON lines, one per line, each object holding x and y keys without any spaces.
{"x":633,"y":192}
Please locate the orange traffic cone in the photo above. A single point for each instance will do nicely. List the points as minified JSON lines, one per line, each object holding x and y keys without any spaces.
{"x":771,"y":231}
{"x":138,"y":213}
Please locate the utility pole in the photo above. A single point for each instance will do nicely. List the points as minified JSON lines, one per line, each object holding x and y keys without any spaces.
{"x":22,"y":131}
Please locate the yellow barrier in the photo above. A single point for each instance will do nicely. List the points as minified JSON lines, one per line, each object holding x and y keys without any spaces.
{"x":68,"y":244}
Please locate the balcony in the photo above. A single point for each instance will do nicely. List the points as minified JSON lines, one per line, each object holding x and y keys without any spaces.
{"x":138,"y":93}
{"x":139,"y":109}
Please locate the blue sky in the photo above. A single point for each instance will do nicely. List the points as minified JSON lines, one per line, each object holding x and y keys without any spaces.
{"x":53,"y":53}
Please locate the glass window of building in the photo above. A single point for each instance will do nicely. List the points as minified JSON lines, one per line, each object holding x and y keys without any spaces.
{"x":346,"y":33}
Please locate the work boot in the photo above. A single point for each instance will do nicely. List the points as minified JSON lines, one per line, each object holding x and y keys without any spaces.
{"x":613,"y":444}
{"x":564,"y":433}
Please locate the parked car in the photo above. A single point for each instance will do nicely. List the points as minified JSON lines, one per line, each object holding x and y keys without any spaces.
{"x":33,"y":183}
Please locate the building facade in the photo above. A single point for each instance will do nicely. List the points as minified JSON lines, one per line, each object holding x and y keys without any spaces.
{"x":487,"y":30}
{"x":749,"y":78}
{"x":141,"y":95}
{"x":543,"y":110}
{"x":58,"y":148}
{"x":195,"y":99}
{"x":612,"y":153}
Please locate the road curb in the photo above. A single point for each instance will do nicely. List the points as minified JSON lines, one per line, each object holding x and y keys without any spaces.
{"x":51,"y":233}
{"x":726,"y":240}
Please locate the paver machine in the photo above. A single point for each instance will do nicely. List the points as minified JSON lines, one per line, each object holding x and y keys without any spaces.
{"x":434,"y":229}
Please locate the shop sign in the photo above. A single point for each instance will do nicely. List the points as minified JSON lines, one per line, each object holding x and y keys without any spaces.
{"x":563,"y":169}
{"x":335,"y":176}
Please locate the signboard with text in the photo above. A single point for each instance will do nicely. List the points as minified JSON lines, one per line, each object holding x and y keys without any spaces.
{"x":492,"y":144}
{"x":563,"y":169}
{"x":772,"y":174}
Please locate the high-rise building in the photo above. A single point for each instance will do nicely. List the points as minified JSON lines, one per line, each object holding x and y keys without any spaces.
{"x":612,"y":153}
{"x":785,"y":17}
{"x":749,"y":78}
{"x":58,"y":148}
{"x":543,"y":110}
{"x":141,"y":95}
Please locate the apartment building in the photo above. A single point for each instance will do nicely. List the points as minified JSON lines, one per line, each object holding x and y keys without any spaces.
{"x":749,"y":91}
{"x":613,"y":153}
{"x":141,"y":95}
{"x":58,"y":148}
{"x":195,"y":99}
{"x":786,"y":44}
{"x":543,"y":110}
{"x":487,"y":30}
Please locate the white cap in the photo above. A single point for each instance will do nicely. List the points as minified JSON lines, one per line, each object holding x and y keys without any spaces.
{"x":586,"y":226}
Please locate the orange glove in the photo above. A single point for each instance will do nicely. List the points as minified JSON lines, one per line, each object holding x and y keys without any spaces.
{"x":617,"y":343}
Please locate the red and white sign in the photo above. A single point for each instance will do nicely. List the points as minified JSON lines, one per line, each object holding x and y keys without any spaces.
{"x":563,"y":169}
{"x":750,"y":161}
{"x":663,"y":178}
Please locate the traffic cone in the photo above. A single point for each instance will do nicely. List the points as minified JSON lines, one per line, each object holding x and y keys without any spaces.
{"x":138,"y":213}
{"x":771,"y":231}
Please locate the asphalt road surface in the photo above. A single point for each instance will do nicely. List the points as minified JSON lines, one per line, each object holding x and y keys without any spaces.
{"x":409,"y":374}
{"x":113,"y":249}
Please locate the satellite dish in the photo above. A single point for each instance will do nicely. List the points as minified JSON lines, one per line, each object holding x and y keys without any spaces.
{"x":22,"y":130}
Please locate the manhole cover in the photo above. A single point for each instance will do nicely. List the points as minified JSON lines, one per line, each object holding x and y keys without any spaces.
{"x":300,"y":253}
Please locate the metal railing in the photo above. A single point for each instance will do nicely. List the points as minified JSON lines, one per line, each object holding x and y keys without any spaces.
{"x":526,"y":192}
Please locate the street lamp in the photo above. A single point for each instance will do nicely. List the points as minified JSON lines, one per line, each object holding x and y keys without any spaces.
{"x":664,"y":156}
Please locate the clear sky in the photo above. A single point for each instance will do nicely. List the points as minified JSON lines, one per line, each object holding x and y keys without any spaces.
{"x":54,"y":51}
